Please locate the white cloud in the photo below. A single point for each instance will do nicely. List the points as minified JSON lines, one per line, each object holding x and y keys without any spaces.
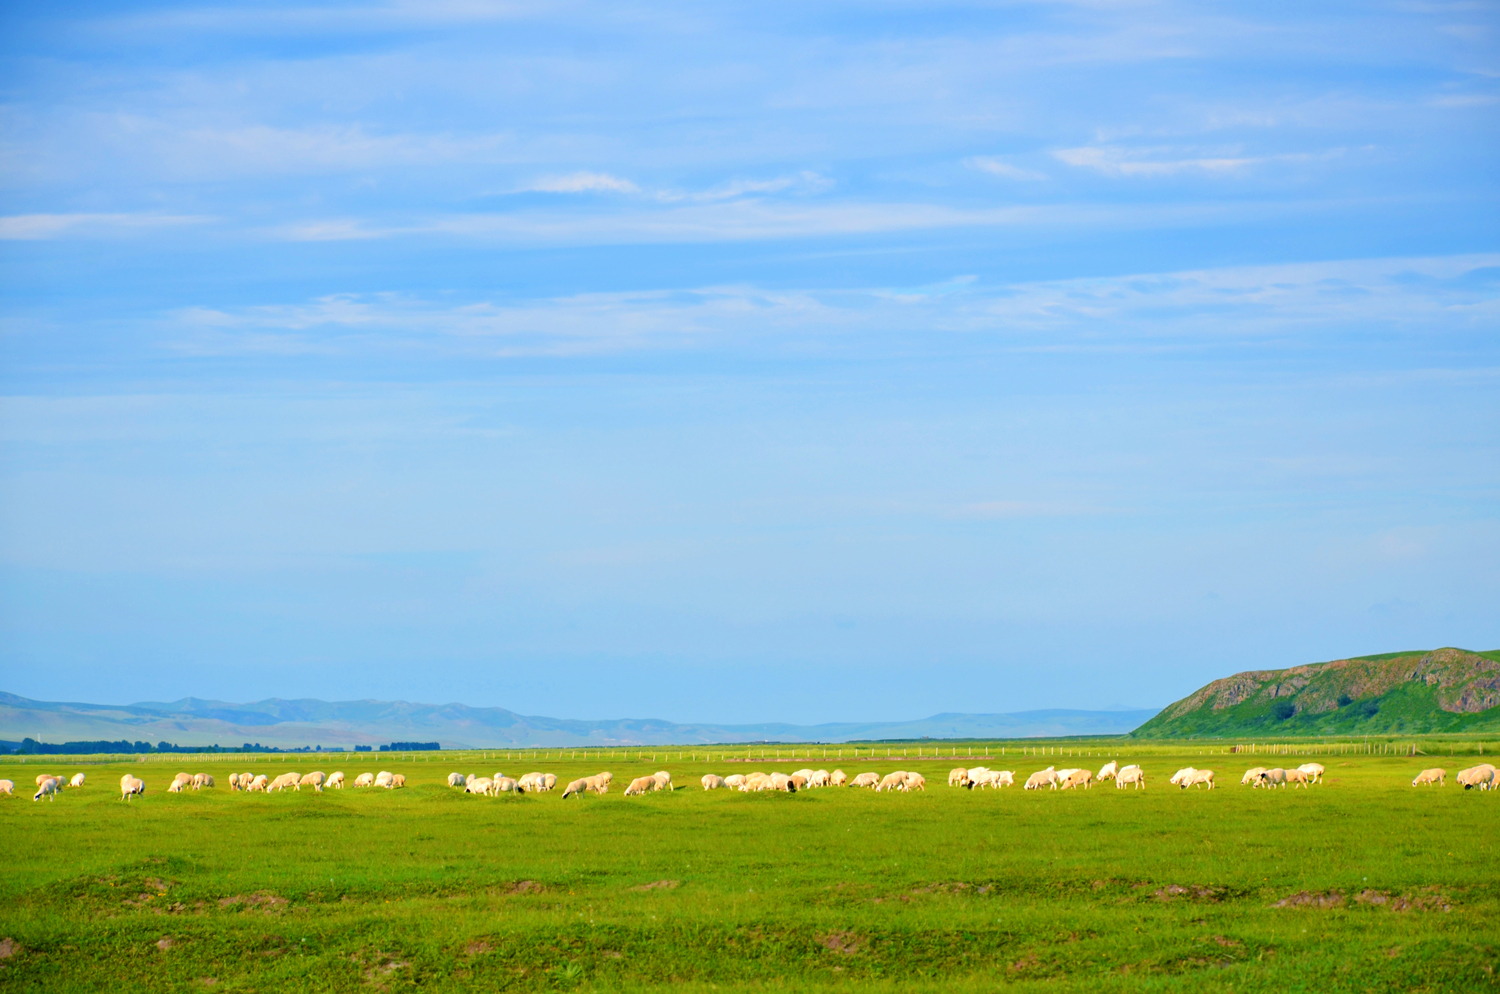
{"x":999,"y":167}
{"x":1115,"y":160}
{"x":583,"y":182}
{"x":805,"y":182}
{"x":36,"y":227}
{"x":1128,"y":312}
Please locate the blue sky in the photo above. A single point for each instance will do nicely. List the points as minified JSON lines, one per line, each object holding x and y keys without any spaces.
{"x":742,"y":362}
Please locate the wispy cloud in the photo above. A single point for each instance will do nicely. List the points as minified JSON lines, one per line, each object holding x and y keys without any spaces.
{"x":1118,"y":160}
{"x":1128,"y":312}
{"x":37,"y":227}
{"x":582,"y":182}
{"x":999,"y":167}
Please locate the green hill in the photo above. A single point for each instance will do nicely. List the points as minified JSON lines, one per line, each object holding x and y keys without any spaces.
{"x":1408,"y":693}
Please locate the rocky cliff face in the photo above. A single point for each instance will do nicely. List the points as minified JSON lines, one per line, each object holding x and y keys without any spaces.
{"x":1454,"y":682}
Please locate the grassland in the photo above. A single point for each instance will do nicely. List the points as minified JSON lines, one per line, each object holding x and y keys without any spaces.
{"x":834,"y":889}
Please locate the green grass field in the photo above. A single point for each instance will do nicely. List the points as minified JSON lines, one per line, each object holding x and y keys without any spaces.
{"x":839,"y":889}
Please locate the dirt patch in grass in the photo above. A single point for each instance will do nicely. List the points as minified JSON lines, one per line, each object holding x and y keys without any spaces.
{"x":1309,"y":899}
{"x":845,"y":943}
{"x":525,"y":887}
{"x":1428,"y":900}
{"x":659,"y":885}
{"x":260,"y":899}
{"x":477,"y":947}
{"x":384,"y":965}
{"x":1193,"y":892}
{"x":8,"y":948}
{"x":165,"y":943}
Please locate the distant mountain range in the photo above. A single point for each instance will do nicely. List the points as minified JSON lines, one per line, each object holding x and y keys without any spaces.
{"x":192,"y":721}
{"x":1442,"y":690}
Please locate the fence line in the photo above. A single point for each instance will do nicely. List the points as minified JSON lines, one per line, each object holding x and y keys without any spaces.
{"x":1029,"y":749}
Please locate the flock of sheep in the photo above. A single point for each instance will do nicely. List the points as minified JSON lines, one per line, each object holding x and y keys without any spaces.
{"x":1482,"y":776}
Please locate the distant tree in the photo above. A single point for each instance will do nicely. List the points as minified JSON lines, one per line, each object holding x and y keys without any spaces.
{"x":1345,"y":700}
{"x":1370,"y":708}
{"x":1283,"y":710}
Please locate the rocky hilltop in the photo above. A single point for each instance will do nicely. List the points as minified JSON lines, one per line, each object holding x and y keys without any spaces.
{"x":1442,"y":690}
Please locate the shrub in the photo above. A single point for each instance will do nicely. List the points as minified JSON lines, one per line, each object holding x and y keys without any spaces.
{"x":1345,"y":700}
{"x":1283,"y":710}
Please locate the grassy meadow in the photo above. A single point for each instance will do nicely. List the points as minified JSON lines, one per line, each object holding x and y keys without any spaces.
{"x":1361,"y":884}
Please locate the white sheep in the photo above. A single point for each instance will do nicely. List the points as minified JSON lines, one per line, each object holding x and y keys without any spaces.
{"x":1131,"y":775}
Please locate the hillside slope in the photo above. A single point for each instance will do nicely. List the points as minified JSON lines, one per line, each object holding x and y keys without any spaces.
{"x":1444,"y":690}
{"x":295,"y":723}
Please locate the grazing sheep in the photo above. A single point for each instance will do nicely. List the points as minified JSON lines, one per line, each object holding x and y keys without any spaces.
{"x":1042,"y":778}
{"x":261,"y":783}
{"x":77,"y":780}
{"x":549,"y":780}
{"x":1297,"y":776}
{"x":131,"y":786}
{"x":915,"y":781}
{"x":663,"y":780}
{"x":45,"y":776}
{"x":806,"y":775}
{"x":531,"y":781}
{"x":838,"y":778}
{"x":397,"y":780}
{"x":598,"y":783}
{"x":201,"y":780}
{"x":1181,"y":775}
{"x":284,"y":781}
{"x":1434,"y":775}
{"x":1076,"y":779}
{"x":892,"y":781}
{"x":8,"y":787}
{"x":383,"y":778}
{"x":315,"y":778}
{"x":48,"y":789}
{"x":735,"y":781}
{"x":479,"y":785}
{"x":641,"y":785}
{"x":1252,"y":776}
{"x":1131,"y":775}
{"x":365,"y":780}
{"x":757,"y":781}
{"x":780,"y":781}
{"x":712,"y":781}
{"x":1108,"y":771}
{"x":1481,"y":776}
{"x":1274,"y":777}
{"x":336,"y":780}
{"x":821,"y":778}
{"x":1205,"y":777}
{"x":1314,"y":771}
{"x":180,"y":781}
{"x":457,"y":780}
{"x":959,"y":777}
{"x":992,"y":778}
{"x":234,"y":781}
{"x":867,"y":779}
